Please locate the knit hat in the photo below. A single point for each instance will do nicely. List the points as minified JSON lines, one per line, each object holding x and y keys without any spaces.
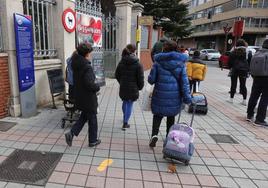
{"x":265,"y":44}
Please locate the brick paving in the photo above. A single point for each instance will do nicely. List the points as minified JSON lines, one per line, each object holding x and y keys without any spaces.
{"x":134,"y":163}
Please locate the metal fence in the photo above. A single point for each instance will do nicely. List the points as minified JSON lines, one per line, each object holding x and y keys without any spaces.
{"x":1,"y":38}
{"x":41,"y":12}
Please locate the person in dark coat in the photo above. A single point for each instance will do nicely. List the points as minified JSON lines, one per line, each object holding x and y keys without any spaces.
{"x":158,"y":47}
{"x":171,"y":87}
{"x":129,"y":74}
{"x":85,"y":90}
{"x":239,"y":67}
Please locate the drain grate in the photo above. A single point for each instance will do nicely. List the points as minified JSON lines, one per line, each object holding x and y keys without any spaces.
{"x":222,"y":138}
{"x":5,"y":126}
{"x":29,"y":167}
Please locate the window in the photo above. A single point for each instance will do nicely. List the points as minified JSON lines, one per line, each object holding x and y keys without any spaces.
{"x":218,"y":9}
{"x":43,"y":29}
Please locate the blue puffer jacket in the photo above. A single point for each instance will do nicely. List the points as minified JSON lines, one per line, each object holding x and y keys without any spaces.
{"x":167,"y":99}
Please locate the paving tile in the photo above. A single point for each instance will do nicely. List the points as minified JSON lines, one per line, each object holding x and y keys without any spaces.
{"x":101,"y":153}
{"x":77,"y":179}
{"x":133,"y":174}
{"x":261,"y":183}
{"x":132,"y":164}
{"x":218,"y":171}
{"x":15,"y":185}
{"x":117,"y":155}
{"x":86,"y":151}
{"x":2,"y":184}
{"x":244,"y":164}
{"x":211,"y":161}
{"x":59,"y":177}
{"x":59,"y":149}
{"x":81,"y":159}
{"x":147,"y":165}
{"x":169,"y":185}
{"x":68,"y":158}
{"x":197,"y":160}
{"x":64,"y":167}
{"x":247,"y":183}
{"x":114,"y":182}
{"x":188,"y":179}
{"x":133,"y":184}
{"x":148,"y":184}
{"x":227,"y":162}
{"x":94,"y":172}
{"x":198,"y":169}
{"x":96,"y":182}
{"x":254,"y":174}
{"x":169,"y":177}
{"x":226,"y":182}
{"x":81,"y":169}
{"x":151,"y":176}
{"x":54,"y":185}
{"x":115,"y":172}
{"x":260,"y":165}
{"x":236,"y":172}
{"x":207,"y":180}
{"x":72,"y":150}
{"x":235,"y":155}
{"x":205,"y":153}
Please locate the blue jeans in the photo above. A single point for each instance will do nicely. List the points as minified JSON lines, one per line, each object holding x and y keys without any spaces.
{"x":127,"y":110}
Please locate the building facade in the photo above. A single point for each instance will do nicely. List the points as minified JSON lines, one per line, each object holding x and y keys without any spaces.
{"x":210,"y":16}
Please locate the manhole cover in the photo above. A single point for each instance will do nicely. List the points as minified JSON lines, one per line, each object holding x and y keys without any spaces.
{"x":5,"y":126}
{"x":222,"y":138}
{"x":29,"y":167}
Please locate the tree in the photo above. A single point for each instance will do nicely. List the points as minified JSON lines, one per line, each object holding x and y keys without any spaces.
{"x":169,"y":14}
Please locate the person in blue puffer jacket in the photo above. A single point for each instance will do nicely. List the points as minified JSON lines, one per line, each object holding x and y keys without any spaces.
{"x":171,"y":87}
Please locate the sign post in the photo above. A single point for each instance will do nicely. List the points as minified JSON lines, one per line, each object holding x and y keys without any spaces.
{"x":226,"y":30}
{"x":25,"y":63}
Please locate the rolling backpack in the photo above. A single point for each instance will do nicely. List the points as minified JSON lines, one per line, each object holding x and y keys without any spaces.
{"x":179,"y":144}
{"x":201,"y":105}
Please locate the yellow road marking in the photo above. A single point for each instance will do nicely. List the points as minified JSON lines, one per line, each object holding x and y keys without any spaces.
{"x":104,"y":164}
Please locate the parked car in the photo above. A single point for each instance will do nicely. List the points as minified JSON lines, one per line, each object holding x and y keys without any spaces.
{"x":210,"y":54}
{"x":254,"y":49}
{"x":224,"y":59}
{"x":191,"y":51}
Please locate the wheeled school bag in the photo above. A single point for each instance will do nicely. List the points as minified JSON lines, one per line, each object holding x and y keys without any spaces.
{"x":179,"y":144}
{"x":201,"y":105}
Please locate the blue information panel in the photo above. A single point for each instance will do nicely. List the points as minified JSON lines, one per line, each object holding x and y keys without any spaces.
{"x":25,"y":63}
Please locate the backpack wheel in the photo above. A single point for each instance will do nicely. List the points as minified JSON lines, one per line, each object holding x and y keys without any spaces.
{"x":187,"y":162}
{"x":63,"y":124}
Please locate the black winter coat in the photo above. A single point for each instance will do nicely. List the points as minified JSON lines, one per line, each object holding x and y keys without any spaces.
{"x":238,"y":61}
{"x":85,"y":88}
{"x":129,"y":74}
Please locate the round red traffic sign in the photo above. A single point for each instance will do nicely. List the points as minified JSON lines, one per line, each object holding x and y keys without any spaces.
{"x":69,"y":20}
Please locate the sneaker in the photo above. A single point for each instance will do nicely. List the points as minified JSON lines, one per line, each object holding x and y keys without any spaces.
{"x":125,"y":126}
{"x":231,"y":100}
{"x":94,"y":143}
{"x":259,"y":123}
{"x":244,"y":103}
{"x":153,"y":141}
{"x":69,"y":138}
{"x":250,"y":119}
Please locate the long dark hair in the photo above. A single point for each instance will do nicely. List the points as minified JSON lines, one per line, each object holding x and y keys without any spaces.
{"x":129,"y":49}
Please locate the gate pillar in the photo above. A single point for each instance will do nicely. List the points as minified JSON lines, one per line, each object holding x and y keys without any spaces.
{"x":137,"y":10}
{"x":123,"y":12}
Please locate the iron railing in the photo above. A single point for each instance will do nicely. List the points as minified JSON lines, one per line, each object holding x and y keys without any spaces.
{"x":41,"y":12}
{"x":1,"y":38}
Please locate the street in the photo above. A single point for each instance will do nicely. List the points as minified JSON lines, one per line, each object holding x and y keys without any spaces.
{"x":131,"y":163}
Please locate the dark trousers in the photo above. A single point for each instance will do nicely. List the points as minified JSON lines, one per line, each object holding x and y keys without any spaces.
{"x":259,"y":89}
{"x":193,"y":84}
{"x":157,"y":122}
{"x":242,"y":81}
{"x":71,"y":92}
{"x":91,"y":118}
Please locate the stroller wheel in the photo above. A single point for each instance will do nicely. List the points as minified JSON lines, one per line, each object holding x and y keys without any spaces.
{"x":187,"y":162}
{"x":63,"y":123}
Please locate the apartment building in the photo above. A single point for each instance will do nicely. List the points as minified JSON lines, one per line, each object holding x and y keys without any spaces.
{"x":210,"y":16}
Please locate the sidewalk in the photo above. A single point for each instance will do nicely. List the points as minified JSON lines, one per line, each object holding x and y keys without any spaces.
{"x":134,"y":164}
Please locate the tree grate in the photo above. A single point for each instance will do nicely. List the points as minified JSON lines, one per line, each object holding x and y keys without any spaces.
{"x":221,"y":138}
{"x":5,"y":126}
{"x":29,"y":167}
